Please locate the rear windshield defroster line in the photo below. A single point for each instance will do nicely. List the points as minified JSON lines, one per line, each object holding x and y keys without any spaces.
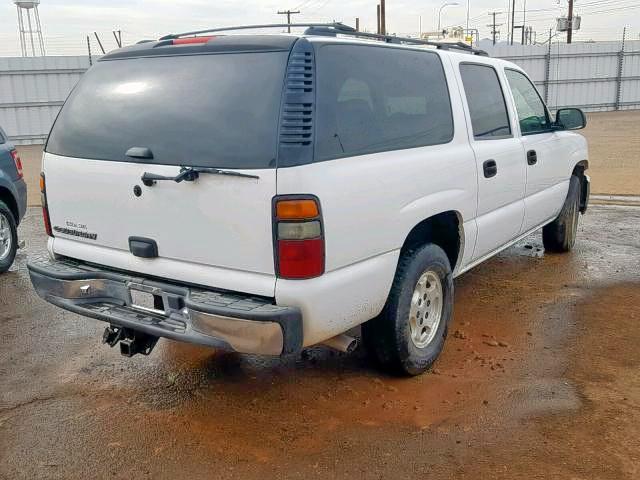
{"x":204,"y":110}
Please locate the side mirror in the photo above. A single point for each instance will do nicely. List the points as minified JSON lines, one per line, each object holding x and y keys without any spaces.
{"x":570,"y":119}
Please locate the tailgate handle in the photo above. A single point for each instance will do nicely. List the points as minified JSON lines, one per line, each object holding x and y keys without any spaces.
{"x":143,"y":247}
{"x":140,"y":152}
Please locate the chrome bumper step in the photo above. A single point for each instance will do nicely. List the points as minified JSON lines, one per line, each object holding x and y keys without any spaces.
{"x":227,"y":320}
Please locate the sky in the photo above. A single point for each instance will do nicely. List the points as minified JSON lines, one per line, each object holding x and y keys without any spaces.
{"x":66,"y":23}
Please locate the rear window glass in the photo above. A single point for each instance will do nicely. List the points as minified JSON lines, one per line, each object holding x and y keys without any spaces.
{"x":487,"y":107}
{"x":377,"y":99}
{"x":202,"y":110}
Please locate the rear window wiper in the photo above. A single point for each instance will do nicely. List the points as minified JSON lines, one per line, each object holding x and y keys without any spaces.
{"x":190,"y":174}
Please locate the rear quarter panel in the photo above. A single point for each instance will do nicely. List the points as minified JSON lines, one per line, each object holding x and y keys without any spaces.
{"x":370,"y":203}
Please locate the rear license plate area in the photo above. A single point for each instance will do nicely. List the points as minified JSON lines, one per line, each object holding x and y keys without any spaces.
{"x":146,"y":299}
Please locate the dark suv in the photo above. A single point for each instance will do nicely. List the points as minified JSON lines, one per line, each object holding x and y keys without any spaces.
{"x":13,"y":201}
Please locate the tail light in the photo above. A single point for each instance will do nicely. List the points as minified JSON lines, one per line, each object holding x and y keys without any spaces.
{"x":18,"y":162}
{"x":299,"y":235}
{"x":45,"y":207}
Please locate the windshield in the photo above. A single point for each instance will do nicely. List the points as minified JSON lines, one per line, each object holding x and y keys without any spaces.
{"x":201,"y":110}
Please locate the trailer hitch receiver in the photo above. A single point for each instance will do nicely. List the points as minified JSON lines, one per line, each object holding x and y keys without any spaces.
{"x":131,"y":342}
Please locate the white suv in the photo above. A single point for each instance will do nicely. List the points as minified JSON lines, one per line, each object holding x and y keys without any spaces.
{"x":265,"y":193}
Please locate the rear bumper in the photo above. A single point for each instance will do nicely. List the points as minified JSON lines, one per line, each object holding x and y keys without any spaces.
{"x":230,"y":321}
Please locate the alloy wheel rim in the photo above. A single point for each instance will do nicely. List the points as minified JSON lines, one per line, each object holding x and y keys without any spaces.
{"x":6,"y":238}
{"x":425,"y":313}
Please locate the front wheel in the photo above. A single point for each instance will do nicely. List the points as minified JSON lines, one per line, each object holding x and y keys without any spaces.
{"x":409,"y":334}
{"x":8,"y":238}
{"x":560,"y":235}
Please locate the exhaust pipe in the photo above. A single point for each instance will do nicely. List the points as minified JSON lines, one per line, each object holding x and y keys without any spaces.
{"x":342,"y":343}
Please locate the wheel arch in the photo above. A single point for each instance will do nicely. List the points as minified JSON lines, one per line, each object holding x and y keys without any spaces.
{"x":578,"y":171}
{"x":580,"y":167}
{"x":444,"y":229}
{"x":7,"y":197}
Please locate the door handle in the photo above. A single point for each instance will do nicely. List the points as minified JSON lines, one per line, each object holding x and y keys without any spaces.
{"x":490,"y":168}
{"x":532,"y":157}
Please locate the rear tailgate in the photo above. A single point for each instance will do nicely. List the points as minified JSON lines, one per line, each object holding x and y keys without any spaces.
{"x":215,"y":110}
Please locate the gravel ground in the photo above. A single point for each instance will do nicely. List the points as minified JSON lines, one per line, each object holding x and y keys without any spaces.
{"x":539,"y":379}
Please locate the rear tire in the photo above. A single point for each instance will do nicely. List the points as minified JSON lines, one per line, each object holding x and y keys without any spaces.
{"x":409,"y":334}
{"x":8,"y":237}
{"x":560,"y":235}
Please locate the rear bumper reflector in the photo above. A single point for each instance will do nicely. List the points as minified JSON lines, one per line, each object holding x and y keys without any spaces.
{"x":230,"y":321}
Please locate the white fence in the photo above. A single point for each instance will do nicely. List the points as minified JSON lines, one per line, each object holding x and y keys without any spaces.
{"x":32,"y":90}
{"x":598,"y":76}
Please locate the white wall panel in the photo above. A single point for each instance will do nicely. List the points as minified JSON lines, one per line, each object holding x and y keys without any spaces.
{"x":585,"y":75}
{"x":580,"y":74}
{"x":32,"y":90}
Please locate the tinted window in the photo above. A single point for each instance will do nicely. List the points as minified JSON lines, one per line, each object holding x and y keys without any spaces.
{"x":2,"y":137}
{"x":202,"y":110}
{"x":373,"y":99}
{"x":532,"y":113}
{"x":487,"y":107}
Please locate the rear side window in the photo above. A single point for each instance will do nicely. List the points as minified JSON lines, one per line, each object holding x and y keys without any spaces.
{"x":487,"y":106}
{"x":373,"y":99}
{"x":532,"y":114}
{"x":217,"y":110}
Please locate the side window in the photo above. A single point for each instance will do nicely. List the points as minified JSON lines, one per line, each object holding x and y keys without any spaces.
{"x":2,"y":139}
{"x":486,"y":102}
{"x":375,"y":99}
{"x":532,"y":114}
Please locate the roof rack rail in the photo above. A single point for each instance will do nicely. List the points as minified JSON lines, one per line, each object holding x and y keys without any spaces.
{"x":337,"y":28}
{"x":330,"y":30}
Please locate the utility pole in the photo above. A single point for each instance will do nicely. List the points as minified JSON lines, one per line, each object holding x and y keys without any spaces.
{"x":493,"y":26}
{"x":378,"y":14}
{"x":513,"y":18}
{"x":383,"y":18}
{"x":508,"y":19}
{"x":570,"y":22}
{"x":357,"y":24}
{"x":288,"y":13}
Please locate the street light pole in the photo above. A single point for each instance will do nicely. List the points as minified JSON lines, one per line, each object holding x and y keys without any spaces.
{"x":468,"y":5}
{"x":445,"y":4}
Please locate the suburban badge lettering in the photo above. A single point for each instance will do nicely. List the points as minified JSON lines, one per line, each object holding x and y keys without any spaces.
{"x":75,"y":233}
